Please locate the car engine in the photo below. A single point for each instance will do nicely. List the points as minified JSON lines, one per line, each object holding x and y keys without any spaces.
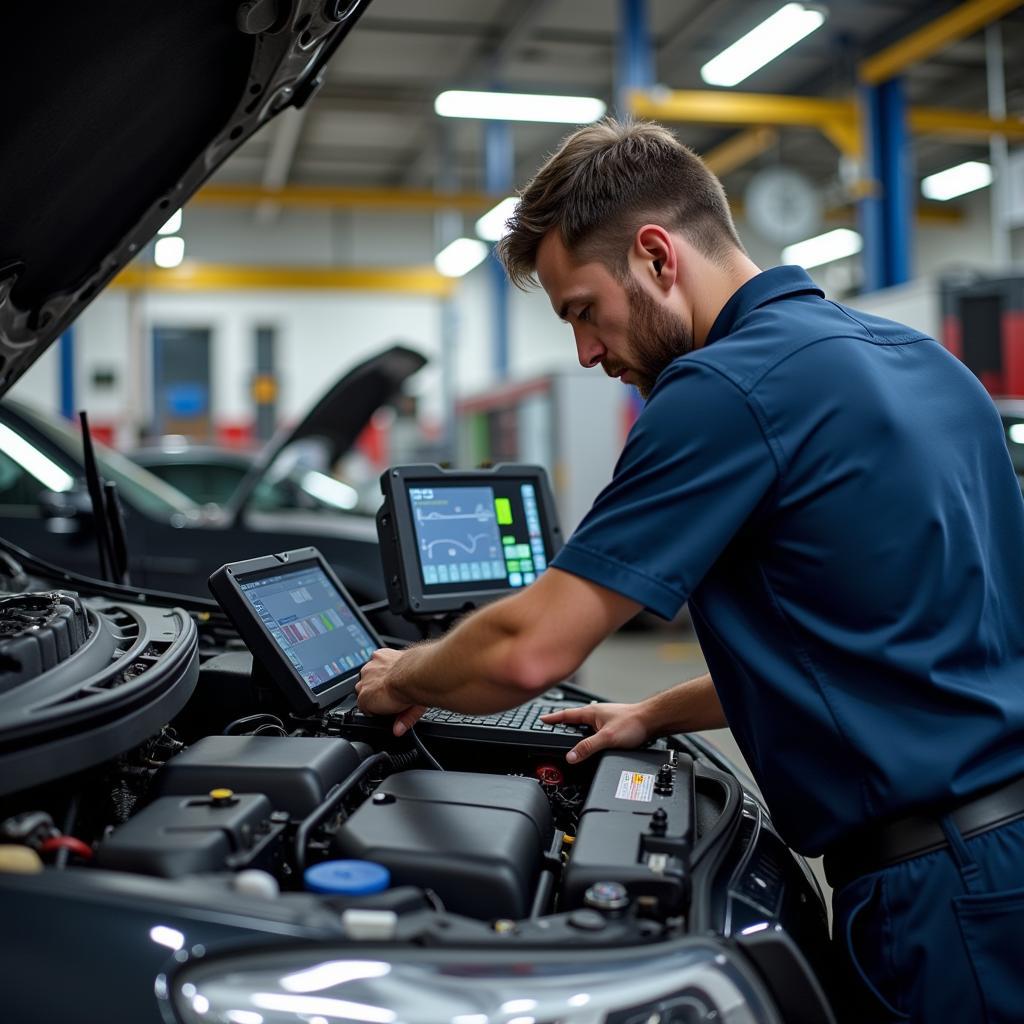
{"x":149,"y":776}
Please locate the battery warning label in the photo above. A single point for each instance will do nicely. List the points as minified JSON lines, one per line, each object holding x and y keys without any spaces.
{"x":635,"y":786}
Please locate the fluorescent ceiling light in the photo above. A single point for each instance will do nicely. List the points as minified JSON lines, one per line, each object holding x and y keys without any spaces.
{"x":460,"y":257}
{"x":332,"y":492}
{"x":493,"y":225}
{"x":519,"y":106}
{"x":1017,"y":433}
{"x":169,"y":252}
{"x":763,"y":44}
{"x":833,"y":245}
{"x":956,"y":181}
{"x":173,"y":224}
{"x":33,"y":461}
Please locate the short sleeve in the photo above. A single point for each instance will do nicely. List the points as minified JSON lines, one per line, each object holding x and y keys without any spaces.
{"x":695,"y":466}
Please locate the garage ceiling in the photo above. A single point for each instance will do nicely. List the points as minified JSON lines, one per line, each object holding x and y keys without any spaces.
{"x":373,"y":123}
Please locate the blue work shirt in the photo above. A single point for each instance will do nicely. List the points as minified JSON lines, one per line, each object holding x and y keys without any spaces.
{"x":832,"y":494}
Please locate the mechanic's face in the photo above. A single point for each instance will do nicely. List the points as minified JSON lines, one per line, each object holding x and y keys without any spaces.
{"x":616,"y":324}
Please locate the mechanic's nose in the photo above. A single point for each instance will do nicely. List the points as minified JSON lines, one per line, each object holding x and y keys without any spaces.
{"x":589,"y":350}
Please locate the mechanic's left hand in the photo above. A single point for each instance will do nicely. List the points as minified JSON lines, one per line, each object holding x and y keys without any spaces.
{"x":377,"y":697}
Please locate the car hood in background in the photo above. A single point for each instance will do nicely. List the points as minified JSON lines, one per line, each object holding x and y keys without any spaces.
{"x":340,"y":415}
{"x":117,"y":113}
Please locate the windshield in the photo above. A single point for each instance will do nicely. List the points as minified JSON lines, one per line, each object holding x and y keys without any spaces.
{"x":136,"y":485}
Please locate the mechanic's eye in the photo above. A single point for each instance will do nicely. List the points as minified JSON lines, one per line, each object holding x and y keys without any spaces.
{"x":584,"y":314}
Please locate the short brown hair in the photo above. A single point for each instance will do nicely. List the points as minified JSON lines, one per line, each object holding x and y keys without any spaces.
{"x":607,"y":179}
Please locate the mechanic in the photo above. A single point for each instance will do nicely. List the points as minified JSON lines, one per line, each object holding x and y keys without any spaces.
{"x":832,"y":494}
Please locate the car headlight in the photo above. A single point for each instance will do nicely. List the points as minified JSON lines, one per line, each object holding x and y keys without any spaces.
{"x":686,"y":982}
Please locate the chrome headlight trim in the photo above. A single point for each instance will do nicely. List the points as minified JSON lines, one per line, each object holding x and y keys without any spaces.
{"x":664,"y":983}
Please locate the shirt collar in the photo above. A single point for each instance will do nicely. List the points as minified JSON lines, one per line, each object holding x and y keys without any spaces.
{"x":777,"y":283}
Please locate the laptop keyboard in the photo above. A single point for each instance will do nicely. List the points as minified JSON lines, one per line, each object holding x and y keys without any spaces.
{"x":519,"y":726}
{"x":525,"y":718}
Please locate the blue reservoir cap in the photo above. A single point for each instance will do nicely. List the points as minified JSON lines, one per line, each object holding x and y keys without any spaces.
{"x":347,"y":877}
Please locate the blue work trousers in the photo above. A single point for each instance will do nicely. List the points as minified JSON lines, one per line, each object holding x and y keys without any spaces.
{"x":938,"y":939}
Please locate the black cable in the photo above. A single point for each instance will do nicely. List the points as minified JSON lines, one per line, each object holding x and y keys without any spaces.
{"x":256,"y":721}
{"x":333,"y":798}
{"x":428,"y":756}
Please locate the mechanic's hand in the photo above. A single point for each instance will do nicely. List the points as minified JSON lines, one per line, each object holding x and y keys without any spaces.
{"x":614,"y":725}
{"x":376,"y":695}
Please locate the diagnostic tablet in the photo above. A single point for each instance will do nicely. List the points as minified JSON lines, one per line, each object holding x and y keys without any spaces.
{"x":455,"y":539}
{"x":301,"y":625}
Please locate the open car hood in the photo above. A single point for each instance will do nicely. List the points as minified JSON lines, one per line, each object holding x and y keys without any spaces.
{"x":340,"y":415}
{"x":121,"y":111}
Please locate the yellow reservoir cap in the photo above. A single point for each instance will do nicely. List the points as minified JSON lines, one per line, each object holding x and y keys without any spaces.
{"x":221,"y":796}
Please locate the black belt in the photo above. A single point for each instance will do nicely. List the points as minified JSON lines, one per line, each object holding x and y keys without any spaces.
{"x":914,"y":836}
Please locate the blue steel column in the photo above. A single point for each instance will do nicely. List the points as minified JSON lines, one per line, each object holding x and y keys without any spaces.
{"x":66,"y":353}
{"x":634,"y":66}
{"x":886,"y":218}
{"x":499,"y":168}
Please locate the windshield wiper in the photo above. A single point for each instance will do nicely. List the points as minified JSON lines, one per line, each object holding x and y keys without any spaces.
{"x":107,"y":514}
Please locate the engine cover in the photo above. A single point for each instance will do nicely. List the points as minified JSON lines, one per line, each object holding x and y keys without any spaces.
{"x":477,"y":840}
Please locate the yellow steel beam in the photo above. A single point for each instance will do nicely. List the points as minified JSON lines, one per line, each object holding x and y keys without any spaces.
{"x":315,"y":197}
{"x":212,"y":277}
{"x":927,"y":214}
{"x":959,"y":23}
{"x":935,"y":215}
{"x":962,"y":123}
{"x":740,"y":149}
{"x":838,"y":119}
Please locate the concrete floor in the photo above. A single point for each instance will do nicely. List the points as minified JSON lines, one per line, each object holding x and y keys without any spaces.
{"x":630,"y":666}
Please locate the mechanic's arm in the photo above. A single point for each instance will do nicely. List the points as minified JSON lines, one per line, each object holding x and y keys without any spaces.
{"x":687,"y":707}
{"x":502,"y":654}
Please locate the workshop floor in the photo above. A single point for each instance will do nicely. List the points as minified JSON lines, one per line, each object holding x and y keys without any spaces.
{"x":631,"y":666}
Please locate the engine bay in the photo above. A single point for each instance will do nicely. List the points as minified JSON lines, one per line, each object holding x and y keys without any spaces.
{"x":147,"y":770}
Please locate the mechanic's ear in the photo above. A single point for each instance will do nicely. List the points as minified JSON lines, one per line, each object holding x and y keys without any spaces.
{"x":654,"y":249}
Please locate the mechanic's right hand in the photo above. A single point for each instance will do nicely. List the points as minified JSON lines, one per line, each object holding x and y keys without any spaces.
{"x":614,"y":725}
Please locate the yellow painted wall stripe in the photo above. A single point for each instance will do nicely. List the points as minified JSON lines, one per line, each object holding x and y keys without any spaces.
{"x":314,"y":197}
{"x":210,"y":277}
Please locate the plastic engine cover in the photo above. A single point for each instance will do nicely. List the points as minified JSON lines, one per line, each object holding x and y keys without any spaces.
{"x":294,"y":772}
{"x":177,"y":836}
{"x":477,"y":840}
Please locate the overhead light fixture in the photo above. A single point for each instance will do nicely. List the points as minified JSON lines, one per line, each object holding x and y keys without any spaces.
{"x":519,"y":106}
{"x":460,"y":256}
{"x":826,"y":248}
{"x":493,"y":225}
{"x":761,"y":45}
{"x":957,"y":181}
{"x":169,"y":252}
{"x":172,"y":225}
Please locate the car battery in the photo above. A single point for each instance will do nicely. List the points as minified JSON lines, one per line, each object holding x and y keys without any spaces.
{"x":636,"y":828}
{"x":294,"y":772}
{"x":476,"y":840}
{"x":176,"y":836}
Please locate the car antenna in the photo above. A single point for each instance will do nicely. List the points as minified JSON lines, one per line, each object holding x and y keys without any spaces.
{"x":92,"y":478}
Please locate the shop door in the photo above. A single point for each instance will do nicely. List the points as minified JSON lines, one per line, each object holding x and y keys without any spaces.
{"x":181,"y":382}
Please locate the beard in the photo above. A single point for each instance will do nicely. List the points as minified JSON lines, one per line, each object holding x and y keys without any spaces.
{"x":656,"y":337}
